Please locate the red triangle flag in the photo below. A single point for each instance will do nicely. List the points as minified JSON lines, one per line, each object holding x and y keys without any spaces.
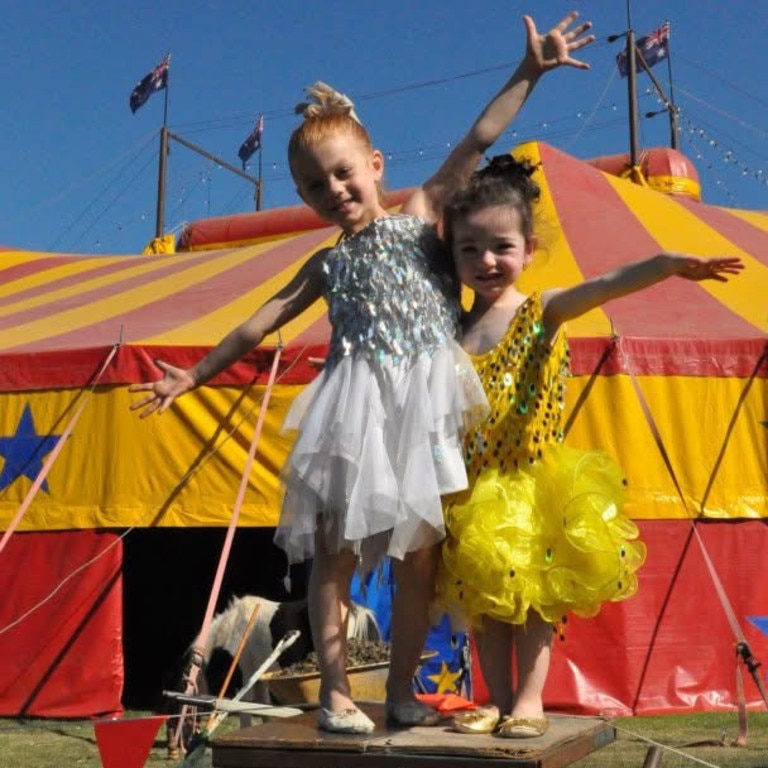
{"x":126,"y":742}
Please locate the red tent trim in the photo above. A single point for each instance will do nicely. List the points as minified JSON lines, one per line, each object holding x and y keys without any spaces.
{"x":647,"y":357}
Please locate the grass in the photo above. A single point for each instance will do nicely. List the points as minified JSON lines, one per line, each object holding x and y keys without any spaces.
{"x":56,"y":743}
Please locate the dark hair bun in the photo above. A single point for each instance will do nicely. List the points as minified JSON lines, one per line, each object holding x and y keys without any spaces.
{"x":508,"y":167}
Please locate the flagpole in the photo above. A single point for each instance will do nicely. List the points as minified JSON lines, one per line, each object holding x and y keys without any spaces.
{"x":161,"y":166}
{"x":632,"y":96}
{"x":160,"y":211}
{"x":672,"y":108}
{"x":669,"y":106}
{"x":259,"y":187}
{"x":213,"y":158}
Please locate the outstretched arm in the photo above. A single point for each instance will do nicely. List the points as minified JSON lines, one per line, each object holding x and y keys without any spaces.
{"x":298,"y":295}
{"x":543,"y":53}
{"x":565,"y":304}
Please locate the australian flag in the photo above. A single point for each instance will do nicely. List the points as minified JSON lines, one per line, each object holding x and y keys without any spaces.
{"x":156,"y":80}
{"x":252,"y":143}
{"x":653,"y":47}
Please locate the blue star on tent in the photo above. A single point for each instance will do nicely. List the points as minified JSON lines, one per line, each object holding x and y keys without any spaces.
{"x":24,"y":451}
{"x":761,"y":622}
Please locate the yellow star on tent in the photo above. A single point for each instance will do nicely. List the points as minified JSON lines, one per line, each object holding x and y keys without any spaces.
{"x":445,"y":680}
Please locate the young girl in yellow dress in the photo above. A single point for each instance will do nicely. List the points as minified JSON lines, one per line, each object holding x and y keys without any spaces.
{"x":539,"y":533}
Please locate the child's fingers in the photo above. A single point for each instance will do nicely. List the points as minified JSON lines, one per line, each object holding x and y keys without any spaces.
{"x":150,"y":400}
{"x":163,"y":366}
{"x":141,"y":387}
{"x":576,"y":44}
{"x":580,"y":30}
{"x":576,"y":63}
{"x":567,"y":20}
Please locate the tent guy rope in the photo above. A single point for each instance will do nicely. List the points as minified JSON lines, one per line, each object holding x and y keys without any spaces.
{"x":743,"y":651}
{"x":196,"y":655}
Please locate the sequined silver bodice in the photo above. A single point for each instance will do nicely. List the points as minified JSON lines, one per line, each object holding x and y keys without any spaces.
{"x":384,"y":298}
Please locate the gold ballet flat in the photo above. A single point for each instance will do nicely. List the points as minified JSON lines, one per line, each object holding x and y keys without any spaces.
{"x":523,"y":727}
{"x":480,"y":720}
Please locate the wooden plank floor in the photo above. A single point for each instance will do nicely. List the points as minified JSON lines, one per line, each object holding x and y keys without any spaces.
{"x":296,"y":742}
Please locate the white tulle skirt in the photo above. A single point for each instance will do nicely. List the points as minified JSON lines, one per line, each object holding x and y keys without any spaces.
{"x":378,"y":444}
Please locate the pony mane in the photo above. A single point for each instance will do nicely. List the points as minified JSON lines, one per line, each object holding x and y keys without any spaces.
{"x":362,"y":623}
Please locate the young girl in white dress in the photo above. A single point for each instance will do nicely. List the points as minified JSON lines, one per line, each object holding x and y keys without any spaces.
{"x":380,"y":430}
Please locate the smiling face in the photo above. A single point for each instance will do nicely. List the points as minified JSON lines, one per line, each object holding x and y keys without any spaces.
{"x":338,"y":178}
{"x":490,"y":250}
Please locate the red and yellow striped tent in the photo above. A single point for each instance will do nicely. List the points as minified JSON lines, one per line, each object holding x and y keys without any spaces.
{"x":671,"y":381}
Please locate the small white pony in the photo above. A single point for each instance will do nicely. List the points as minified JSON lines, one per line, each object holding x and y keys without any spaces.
{"x":272,"y":622}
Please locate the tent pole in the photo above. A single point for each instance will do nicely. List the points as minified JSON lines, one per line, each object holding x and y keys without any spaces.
{"x":160,"y":216}
{"x":632,"y":90}
{"x":632,"y":98}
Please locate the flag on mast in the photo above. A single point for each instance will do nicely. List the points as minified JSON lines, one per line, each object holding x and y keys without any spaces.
{"x":252,"y":143}
{"x":654,"y":47}
{"x":155,"y":80}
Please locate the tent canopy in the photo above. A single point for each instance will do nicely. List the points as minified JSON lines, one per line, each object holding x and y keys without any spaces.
{"x":66,"y":309}
{"x":62,"y":314}
{"x":697,"y":350}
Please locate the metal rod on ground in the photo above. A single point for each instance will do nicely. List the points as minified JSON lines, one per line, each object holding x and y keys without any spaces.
{"x":653,"y":757}
{"x":192,"y":757}
{"x":236,"y":657}
{"x":288,"y":640}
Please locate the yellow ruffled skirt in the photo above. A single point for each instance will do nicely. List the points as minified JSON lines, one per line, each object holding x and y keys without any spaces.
{"x":550,"y":538}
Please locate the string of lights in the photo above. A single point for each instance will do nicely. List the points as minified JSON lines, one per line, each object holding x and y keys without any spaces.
{"x":567,"y":129}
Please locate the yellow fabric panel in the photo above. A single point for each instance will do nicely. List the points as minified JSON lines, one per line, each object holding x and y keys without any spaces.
{"x":83,"y":284}
{"x":555,"y":266}
{"x":162,"y":244}
{"x":676,"y":185}
{"x":756,"y":218}
{"x":217,"y":324}
{"x":35,"y":279}
{"x":179,"y":469}
{"x":184,"y":468}
{"x":676,"y":229}
{"x":709,"y":428}
{"x":116,"y":305}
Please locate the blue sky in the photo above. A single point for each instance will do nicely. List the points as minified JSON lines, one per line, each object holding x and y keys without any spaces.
{"x":79,"y":171}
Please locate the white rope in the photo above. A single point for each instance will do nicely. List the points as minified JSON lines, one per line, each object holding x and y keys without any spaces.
{"x":664,"y":746}
{"x":586,"y":123}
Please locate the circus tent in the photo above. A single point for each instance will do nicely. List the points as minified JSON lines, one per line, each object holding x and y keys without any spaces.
{"x":671,"y":381}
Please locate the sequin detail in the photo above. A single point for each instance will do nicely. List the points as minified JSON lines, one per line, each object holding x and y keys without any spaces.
{"x":524,"y":380}
{"x":374,"y":279}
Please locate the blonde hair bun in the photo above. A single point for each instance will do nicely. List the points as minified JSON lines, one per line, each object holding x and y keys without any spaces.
{"x":324,"y":100}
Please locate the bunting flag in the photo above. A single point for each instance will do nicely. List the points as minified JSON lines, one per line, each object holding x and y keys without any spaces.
{"x":156,"y":80}
{"x":653,"y":47}
{"x":126,"y":742}
{"x":252,"y":143}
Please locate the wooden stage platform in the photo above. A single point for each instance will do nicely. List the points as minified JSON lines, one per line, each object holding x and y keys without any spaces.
{"x":296,"y":742}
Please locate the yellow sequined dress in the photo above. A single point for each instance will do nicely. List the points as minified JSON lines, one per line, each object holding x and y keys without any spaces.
{"x":541,"y":525}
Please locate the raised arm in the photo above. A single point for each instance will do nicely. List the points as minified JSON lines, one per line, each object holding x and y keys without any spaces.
{"x":292,"y":300}
{"x":561,"y":305}
{"x":543,"y":53}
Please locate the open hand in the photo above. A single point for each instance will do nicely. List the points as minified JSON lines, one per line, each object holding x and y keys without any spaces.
{"x":693,"y":268}
{"x":175,"y":382}
{"x":554,"y":49}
